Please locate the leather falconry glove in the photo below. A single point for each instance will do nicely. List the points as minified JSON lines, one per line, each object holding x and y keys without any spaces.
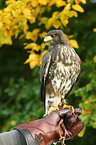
{"x":56,"y":125}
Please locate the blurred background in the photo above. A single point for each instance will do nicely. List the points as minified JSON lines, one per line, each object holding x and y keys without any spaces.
{"x":20,"y":100}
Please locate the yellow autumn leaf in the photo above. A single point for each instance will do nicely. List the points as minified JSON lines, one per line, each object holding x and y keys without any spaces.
{"x":32,"y":46}
{"x":43,"y":2}
{"x":28,"y":35}
{"x":37,"y":30}
{"x":78,"y":8}
{"x":86,"y":112}
{"x":43,"y":53}
{"x":70,"y":1}
{"x":56,"y":24}
{"x":64,"y":20}
{"x":43,"y":20}
{"x":7,"y":19}
{"x":77,"y":1}
{"x":16,"y":13}
{"x":35,"y":34}
{"x":52,"y":2}
{"x":94,"y":30}
{"x":27,"y":13}
{"x":72,"y":13}
{"x":1,"y":25}
{"x":65,"y":14}
{"x":42,"y":46}
{"x":42,"y":35}
{"x":33,"y":63}
{"x":41,"y":56}
{"x":94,"y":58}
{"x":9,"y":2}
{"x":55,"y":14}
{"x":81,"y":133}
{"x":83,"y":1}
{"x":69,"y":36}
{"x":7,"y":33}
{"x":50,"y":22}
{"x":34,"y":3}
{"x":32,"y":20}
{"x":21,"y":36}
{"x":7,"y":40}
{"x":33,"y":60}
{"x":73,"y":43}
{"x":86,"y":102}
{"x":13,"y":122}
{"x":32,"y":56}
{"x":1,"y":12}
{"x":60,"y":3}
{"x":66,"y":8}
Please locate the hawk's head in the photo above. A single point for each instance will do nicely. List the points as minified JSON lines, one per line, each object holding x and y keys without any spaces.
{"x":55,"y":37}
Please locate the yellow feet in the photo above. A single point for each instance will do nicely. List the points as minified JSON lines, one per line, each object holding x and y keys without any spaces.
{"x":68,"y":107}
{"x":63,"y":105}
{"x":51,"y":109}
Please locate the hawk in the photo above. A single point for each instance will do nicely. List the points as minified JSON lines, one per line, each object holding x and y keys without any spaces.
{"x":59,"y":69}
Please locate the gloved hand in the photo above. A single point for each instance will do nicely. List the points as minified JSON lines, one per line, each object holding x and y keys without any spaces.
{"x":58,"y":124}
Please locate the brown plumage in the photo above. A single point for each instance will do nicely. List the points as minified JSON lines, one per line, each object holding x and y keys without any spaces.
{"x":59,"y":70}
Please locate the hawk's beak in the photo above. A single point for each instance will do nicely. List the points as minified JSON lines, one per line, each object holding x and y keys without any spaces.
{"x":47,"y":39}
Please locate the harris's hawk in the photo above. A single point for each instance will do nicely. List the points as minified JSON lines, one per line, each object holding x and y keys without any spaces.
{"x":59,"y":70}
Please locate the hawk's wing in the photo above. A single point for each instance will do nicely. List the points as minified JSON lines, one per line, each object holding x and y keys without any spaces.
{"x":44,"y":70}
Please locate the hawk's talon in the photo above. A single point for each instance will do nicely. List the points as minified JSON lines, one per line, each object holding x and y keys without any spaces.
{"x":60,"y":105}
{"x":72,"y":108}
{"x":52,"y":108}
{"x":68,"y":107}
{"x":45,"y":115}
{"x":63,"y":101}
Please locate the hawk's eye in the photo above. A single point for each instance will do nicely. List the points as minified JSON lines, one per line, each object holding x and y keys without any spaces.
{"x":53,"y":35}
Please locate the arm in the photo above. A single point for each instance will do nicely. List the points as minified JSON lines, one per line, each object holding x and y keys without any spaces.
{"x":12,"y":138}
{"x":52,"y":127}
{"x":46,"y":130}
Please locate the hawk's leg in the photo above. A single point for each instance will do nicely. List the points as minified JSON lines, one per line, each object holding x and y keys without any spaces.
{"x":49,"y":103}
{"x":63,"y":101}
{"x":52,"y":103}
{"x":63,"y":105}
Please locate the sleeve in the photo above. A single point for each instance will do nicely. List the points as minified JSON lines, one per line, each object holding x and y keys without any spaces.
{"x":12,"y":138}
{"x":16,"y":137}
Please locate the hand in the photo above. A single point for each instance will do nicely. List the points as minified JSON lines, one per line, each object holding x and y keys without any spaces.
{"x":48,"y":129}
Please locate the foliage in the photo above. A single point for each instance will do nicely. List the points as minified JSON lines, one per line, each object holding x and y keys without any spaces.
{"x":88,"y":95}
{"x":87,"y":82}
{"x":26,"y":22}
{"x":19,"y":93}
{"x":16,"y":17}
